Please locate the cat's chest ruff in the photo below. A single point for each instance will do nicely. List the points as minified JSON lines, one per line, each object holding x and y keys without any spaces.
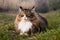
{"x":24,"y":25}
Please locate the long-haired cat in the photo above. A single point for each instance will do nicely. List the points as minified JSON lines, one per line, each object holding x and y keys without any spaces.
{"x":29,"y":22}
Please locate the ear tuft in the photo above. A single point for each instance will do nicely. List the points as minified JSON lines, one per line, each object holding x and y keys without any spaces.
{"x":21,"y":8}
{"x":33,"y":7}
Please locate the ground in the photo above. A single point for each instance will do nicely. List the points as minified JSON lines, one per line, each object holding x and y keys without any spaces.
{"x":7,"y":31}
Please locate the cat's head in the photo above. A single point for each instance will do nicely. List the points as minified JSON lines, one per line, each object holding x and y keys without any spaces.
{"x":26,"y":13}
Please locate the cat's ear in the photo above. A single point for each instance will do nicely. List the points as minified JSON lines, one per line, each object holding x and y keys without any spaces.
{"x":33,"y":8}
{"x":20,"y":9}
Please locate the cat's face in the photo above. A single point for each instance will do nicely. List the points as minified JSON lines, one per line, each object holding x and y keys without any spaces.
{"x":26,"y":14}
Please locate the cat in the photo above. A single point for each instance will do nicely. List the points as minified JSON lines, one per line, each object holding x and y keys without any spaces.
{"x":29,"y":22}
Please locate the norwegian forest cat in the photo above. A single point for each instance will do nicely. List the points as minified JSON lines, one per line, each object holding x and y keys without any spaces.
{"x":29,"y":22}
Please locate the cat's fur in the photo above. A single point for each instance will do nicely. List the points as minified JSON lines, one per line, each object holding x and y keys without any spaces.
{"x":37,"y":22}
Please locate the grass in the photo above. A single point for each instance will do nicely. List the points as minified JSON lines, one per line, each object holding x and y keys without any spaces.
{"x":7,"y":31}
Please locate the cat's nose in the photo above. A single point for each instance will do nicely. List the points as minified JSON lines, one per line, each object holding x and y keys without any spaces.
{"x":25,"y":18}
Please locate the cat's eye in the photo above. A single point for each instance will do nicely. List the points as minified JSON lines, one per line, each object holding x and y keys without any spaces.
{"x":30,"y":16}
{"x":22,"y":15}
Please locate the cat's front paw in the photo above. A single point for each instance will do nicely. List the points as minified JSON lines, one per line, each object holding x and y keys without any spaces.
{"x":21,"y":34}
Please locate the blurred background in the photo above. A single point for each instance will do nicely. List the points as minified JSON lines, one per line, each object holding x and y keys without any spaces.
{"x":41,"y":6}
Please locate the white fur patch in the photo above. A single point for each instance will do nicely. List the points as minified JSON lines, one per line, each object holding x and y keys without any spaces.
{"x":24,"y":25}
